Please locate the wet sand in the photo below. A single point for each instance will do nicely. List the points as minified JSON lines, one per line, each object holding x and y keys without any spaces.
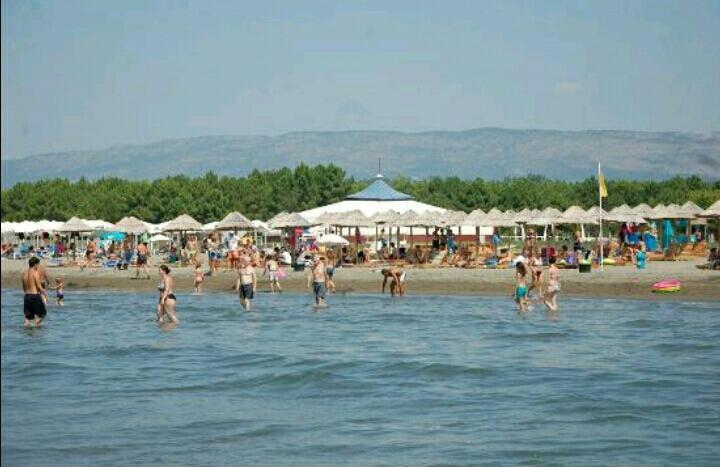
{"x":614,"y":282}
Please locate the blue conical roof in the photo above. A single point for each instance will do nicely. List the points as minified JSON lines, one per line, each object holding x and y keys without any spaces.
{"x":379,"y":190}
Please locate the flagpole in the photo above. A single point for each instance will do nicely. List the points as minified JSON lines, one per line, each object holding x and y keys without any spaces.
{"x":600,"y":240}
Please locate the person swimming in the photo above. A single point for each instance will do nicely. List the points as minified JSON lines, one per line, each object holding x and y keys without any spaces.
{"x":521,"y":289}
{"x":397,"y":283}
{"x":167,"y":301}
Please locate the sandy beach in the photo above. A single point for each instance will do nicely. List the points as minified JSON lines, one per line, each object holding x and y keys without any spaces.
{"x":614,"y":282}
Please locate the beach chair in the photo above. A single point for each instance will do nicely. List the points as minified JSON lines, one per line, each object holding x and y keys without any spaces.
{"x":110,"y":263}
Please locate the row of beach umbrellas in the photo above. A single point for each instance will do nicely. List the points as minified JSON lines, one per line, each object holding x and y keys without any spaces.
{"x":639,"y":214}
{"x":235,"y":221}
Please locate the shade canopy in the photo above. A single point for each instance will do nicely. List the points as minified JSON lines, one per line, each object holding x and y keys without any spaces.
{"x":327,"y":218}
{"x":290,"y":221}
{"x":576,"y":215}
{"x":332,"y":240}
{"x":379,"y":190}
{"x":475,"y":218}
{"x":183,"y":223}
{"x":131,"y":225}
{"x":159,"y":238}
{"x":352,"y":219}
{"x":75,"y":224}
{"x":713,"y":212}
{"x":385,"y":217}
{"x":234,"y":221}
{"x":643,"y":209}
{"x":547,"y":216}
{"x":625,"y":217}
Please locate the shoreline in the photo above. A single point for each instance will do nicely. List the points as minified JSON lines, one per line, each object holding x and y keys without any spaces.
{"x":618,"y":282}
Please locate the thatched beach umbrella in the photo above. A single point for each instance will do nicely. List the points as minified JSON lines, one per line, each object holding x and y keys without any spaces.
{"x":183,"y":223}
{"x":713,"y":212}
{"x":289,"y":221}
{"x":277,"y":217}
{"x":75,"y":224}
{"x":234,"y":221}
{"x":327,"y":218}
{"x":131,"y":225}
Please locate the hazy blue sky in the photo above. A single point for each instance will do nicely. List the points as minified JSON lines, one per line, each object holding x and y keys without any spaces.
{"x":89,"y":74}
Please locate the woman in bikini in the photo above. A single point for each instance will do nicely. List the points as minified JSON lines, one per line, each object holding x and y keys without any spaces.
{"x":167,"y":301}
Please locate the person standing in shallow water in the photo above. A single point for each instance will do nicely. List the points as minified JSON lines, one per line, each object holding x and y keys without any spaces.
{"x":397,"y":281}
{"x":168,"y":301}
{"x":319,"y":278}
{"x":247,"y":282}
{"x":33,"y":304}
{"x":553,"y":286}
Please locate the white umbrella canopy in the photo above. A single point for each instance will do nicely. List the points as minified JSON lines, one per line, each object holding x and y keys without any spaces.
{"x":159,"y":238}
{"x":183,"y":223}
{"x":210,"y":226}
{"x":234,"y":221}
{"x":131,"y":225}
{"x":332,"y":240}
{"x":289,"y":221}
{"x":712,"y":212}
{"x":75,"y":224}
{"x":352,"y":219}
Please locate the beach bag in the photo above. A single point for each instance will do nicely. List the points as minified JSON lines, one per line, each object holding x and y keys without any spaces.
{"x":280,"y":274}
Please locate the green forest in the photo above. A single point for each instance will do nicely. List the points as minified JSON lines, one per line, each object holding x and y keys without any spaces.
{"x":260,"y":195}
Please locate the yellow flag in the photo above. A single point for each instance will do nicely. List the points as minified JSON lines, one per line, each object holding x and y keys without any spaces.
{"x":603,"y":187}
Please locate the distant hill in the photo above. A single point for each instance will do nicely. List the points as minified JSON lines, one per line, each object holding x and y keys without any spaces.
{"x":487,"y":152}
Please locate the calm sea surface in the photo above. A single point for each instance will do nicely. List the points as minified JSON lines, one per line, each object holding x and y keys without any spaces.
{"x":369,"y":380}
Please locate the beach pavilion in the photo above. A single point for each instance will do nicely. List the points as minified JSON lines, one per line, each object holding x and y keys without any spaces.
{"x":376,"y":198}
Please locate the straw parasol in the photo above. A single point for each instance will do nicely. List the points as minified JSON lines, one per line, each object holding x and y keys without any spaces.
{"x":712,"y":212}
{"x":234,"y":221}
{"x":622,"y":209}
{"x":183,"y":223}
{"x":643,"y":209}
{"x":475,"y":218}
{"x":327,"y":218}
{"x":131,"y":225}
{"x":671,"y":211}
{"x":75,"y":224}
{"x":352,"y":219}
{"x":450,"y":218}
{"x":547,"y":216}
{"x":386,"y":217}
{"x":576,"y":215}
{"x":691,"y":209}
{"x":628,"y":217}
{"x":289,"y":221}
{"x":277,"y":217}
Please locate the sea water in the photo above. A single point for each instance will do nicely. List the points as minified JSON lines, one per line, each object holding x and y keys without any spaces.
{"x":369,"y":380}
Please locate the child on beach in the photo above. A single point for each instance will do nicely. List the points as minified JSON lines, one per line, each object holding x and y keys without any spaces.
{"x":59,"y":294}
{"x":199,"y":278}
{"x":521,"y":288}
{"x":553,"y":286}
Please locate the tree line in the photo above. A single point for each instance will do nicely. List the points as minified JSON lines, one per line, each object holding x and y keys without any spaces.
{"x":262,"y":194}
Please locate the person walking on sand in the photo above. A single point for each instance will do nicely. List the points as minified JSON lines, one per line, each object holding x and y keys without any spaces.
{"x":59,"y":292}
{"x":89,"y":254}
{"x":247,"y":282}
{"x":142,"y":260}
{"x":199,"y":277}
{"x":553,"y":286}
{"x":33,"y":304}
{"x":168,"y":301}
{"x":318,"y":277}
{"x":521,"y":288}
{"x":272,"y":268}
{"x":397,"y":281}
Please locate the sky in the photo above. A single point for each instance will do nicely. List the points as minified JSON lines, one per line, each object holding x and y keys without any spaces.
{"x":93,"y":74}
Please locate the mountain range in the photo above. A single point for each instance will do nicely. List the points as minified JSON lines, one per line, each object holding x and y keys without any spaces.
{"x":487,"y":152}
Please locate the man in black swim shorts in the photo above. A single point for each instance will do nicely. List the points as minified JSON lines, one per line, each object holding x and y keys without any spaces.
{"x":33,"y":304}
